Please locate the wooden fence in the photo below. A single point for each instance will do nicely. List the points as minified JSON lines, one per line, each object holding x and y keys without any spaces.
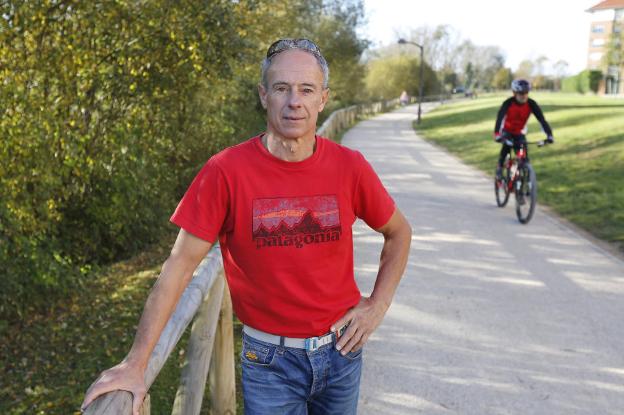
{"x":344,"y":118}
{"x":210,"y":352}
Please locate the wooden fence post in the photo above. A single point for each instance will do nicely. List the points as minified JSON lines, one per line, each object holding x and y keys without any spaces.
{"x":221,"y":379}
{"x":188,"y":400}
{"x":146,"y":407}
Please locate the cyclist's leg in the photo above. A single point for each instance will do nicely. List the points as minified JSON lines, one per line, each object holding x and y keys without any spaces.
{"x":503,"y":154}
{"x":518,"y":142}
{"x":501,"y":159}
{"x":523,"y":140}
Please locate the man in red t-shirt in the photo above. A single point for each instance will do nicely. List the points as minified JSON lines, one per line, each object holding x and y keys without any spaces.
{"x":282,"y":205}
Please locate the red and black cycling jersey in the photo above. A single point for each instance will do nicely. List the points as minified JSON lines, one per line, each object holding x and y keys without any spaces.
{"x":513,"y":117}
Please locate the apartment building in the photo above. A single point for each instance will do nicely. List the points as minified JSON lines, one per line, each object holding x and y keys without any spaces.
{"x":607,"y":19}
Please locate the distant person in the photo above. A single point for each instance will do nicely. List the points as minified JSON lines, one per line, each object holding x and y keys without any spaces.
{"x":512,"y":120}
{"x":404,"y":99}
{"x":282,"y":205}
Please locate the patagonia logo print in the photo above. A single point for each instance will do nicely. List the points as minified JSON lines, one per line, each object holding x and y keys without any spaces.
{"x":296,"y":221}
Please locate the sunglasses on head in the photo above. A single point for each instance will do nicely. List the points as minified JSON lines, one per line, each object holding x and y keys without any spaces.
{"x":286,"y":44}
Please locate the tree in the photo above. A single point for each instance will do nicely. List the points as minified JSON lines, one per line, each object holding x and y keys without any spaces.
{"x":540,"y":79}
{"x":560,"y":67}
{"x":98,"y":106}
{"x":482,"y":62}
{"x":441,"y":45}
{"x":388,"y":77}
{"x":525,"y":70}
{"x":109,"y":108}
{"x":614,"y":58}
{"x":469,"y":75}
{"x":450,"y":56}
{"x":502,"y":78}
{"x":336,"y":31}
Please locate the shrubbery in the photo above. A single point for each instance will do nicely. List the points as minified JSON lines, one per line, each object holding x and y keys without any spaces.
{"x":388,"y":76}
{"x":108,"y":109}
{"x":583,"y":82}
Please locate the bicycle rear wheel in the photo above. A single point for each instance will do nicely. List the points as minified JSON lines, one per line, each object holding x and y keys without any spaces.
{"x":526,"y":193}
{"x":501,"y":188}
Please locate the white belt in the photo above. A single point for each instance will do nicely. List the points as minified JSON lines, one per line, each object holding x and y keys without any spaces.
{"x":309,"y":344}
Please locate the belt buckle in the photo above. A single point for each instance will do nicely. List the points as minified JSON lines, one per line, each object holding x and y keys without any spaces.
{"x":311,"y":344}
{"x":341,"y":330}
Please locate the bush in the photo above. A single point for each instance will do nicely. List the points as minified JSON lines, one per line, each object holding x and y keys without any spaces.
{"x":583,"y":82}
{"x":387,"y":77}
{"x":109,"y":109}
{"x":98,"y":121}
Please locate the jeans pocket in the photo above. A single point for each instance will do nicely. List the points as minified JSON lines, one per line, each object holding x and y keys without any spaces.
{"x":354,"y":355}
{"x":257,"y":353}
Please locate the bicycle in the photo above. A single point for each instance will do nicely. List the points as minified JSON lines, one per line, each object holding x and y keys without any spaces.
{"x":518,"y":175}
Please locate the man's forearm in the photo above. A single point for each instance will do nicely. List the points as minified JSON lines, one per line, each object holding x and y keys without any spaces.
{"x":392,"y":264}
{"x":159,"y":306}
{"x":364,"y":318}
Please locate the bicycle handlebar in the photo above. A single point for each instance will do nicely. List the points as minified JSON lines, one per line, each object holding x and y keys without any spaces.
{"x":540,"y":143}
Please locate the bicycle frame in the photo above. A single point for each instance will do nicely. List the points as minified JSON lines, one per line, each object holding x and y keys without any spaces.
{"x":516,"y":161}
{"x":518,"y":179}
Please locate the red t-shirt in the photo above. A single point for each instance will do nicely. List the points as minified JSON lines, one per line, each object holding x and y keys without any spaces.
{"x":285,"y":231}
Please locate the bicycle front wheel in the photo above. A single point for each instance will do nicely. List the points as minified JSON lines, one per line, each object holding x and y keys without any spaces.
{"x":526,"y":193}
{"x":501,"y":187}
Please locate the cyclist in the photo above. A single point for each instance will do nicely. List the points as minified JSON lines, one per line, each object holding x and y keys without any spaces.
{"x":512,"y":120}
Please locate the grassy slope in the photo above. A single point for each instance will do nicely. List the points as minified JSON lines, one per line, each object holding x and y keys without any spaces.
{"x":47,"y":363}
{"x":579,"y":177}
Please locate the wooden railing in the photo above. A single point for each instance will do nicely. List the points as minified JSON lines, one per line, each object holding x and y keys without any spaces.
{"x":344,"y":118}
{"x":210,"y":352}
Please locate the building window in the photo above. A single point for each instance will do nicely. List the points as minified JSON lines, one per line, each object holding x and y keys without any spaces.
{"x":596,"y":43}
{"x":598,"y":29}
{"x":595,"y":56}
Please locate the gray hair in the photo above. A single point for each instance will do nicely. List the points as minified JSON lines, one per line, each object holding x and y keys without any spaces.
{"x":305,"y":45}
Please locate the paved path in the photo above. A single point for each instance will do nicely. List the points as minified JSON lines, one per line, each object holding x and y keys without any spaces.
{"x":492,"y":317}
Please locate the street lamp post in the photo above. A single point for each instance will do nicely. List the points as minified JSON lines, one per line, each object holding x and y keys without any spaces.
{"x":420,"y":86}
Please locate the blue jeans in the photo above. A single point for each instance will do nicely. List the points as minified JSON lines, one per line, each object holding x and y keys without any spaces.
{"x":286,"y":380}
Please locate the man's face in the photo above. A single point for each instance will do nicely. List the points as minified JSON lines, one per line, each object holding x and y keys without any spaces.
{"x":294,"y":95}
{"x":521,"y":97}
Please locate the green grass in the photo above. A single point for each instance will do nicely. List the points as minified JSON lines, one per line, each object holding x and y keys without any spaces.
{"x":48,"y":361}
{"x":580,"y":176}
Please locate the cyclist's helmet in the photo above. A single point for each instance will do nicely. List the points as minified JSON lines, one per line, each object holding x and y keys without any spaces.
{"x":520,"y":85}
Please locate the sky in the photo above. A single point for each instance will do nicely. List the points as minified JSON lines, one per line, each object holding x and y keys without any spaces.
{"x":557,"y":29}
